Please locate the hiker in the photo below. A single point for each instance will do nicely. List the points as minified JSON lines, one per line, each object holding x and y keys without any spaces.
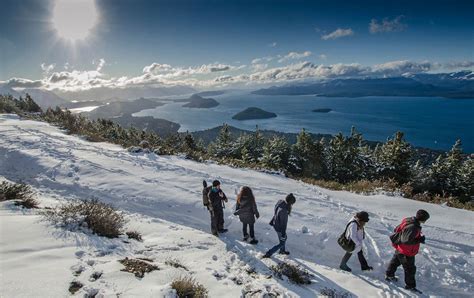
{"x":213,"y":199}
{"x":355,"y":232}
{"x":279,"y":223}
{"x":247,"y":211}
{"x":406,"y":241}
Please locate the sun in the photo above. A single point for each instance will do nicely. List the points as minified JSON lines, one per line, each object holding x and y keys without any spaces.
{"x":74,"y":19}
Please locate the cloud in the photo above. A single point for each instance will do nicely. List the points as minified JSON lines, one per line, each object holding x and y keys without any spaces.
{"x":47,"y":68}
{"x":24,"y":83}
{"x":395,"y":68}
{"x":259,"y":66}
{"x":273,"y":44}
{"x":294,"y":55}
{"x":459,"y":64}
{"x":323,"y":57}
{"x":221,"y":75}
{"x":338,"y":34}
{"x":100,"y":65}
{"x":387,"y":25}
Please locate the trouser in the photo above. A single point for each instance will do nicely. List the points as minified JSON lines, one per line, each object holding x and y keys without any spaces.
{"x":217,"y":220}
{"x":252,"y":231}
{"x":280,"y":246}
{"x":360,"y":255}
{"x":409,"y":267}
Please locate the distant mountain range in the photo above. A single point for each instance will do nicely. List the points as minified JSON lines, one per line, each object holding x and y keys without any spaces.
{"x":46,"y":98}
{"x":449,"y":85}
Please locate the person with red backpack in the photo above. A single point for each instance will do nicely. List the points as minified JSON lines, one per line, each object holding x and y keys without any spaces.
{"x":406,"y":241}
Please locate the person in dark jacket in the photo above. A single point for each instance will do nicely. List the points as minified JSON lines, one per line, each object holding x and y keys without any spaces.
{"x":355,"y":231}
{"x":247,"y":210}
{"x":279,"y":223}
{"x":215,"y":205}
{"x":406,"y":241}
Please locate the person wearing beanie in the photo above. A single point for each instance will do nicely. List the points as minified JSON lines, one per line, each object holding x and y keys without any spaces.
{"x":355,"y":232}
{"x":279,"y":223}
{"x":406,"y":241}
{"x":216,"y":198}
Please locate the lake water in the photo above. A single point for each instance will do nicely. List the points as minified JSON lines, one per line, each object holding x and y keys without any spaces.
{"x":426,"y":121}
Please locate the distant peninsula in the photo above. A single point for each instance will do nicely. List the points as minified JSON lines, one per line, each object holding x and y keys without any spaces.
{"x":324,"y":110}
{"x":253,"y":113}
{"x":196,"y":101}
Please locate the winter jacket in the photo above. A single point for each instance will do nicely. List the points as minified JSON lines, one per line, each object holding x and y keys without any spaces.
{"x":280,"y":218}
{"x":407,"y":237}
{"x":247,"y":210}
{"x":356,"y":233}
{"x":215,"y":200}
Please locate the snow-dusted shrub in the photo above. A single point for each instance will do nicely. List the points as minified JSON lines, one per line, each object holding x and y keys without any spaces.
{"x":173,"y":262}
{"x":138,"y":266}
{"x":19,"y":192}
{"x":134,"y":235}
{"x":28,"y":203}
{"x":188,"y":287}
{"x":294,"y":273}
{"x":102,"y":219}
{"x":333,"y":293}
{"x":14,"y":191}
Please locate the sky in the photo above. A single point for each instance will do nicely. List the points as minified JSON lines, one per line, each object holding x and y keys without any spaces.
{"x":82,"y":44}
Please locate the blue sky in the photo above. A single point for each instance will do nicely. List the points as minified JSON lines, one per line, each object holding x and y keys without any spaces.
{"x":193,"y":37}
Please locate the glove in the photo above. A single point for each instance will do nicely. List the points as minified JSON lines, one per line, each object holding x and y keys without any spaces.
{"x":422,"y":239}
{"x":257,"y":215}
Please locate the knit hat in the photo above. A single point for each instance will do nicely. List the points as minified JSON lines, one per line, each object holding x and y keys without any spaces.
{"x":290,"y":199}
{"x":363,"y":216}
{"x":422,"y":215}
{"x":215,"y":183}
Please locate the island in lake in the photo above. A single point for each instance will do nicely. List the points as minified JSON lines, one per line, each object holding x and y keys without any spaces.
{"x":253,"y":113}
{"x":324,"y":110}
{"x":196,"y":101}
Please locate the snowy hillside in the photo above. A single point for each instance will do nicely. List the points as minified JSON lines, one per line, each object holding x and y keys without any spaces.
{"x":162,"y":199}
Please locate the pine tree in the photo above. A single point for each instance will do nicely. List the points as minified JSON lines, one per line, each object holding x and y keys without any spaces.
{"x":223,"y":145}
{"x":31,"y":105}
{"x":466,"y":180}
{"x":393,"y":159}
{"x":344,"y":160}
{"x":444,"y":172}
{"x":276,"y":153}
{"x":307,"y":157}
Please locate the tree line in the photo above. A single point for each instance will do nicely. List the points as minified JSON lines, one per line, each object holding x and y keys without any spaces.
{"x":335,"y":162}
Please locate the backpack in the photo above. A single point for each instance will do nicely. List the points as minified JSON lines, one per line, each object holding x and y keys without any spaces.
{"x":205,"y":193}
{"x":346,"y":244}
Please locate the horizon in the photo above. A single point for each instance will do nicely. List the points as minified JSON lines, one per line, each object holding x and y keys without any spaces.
{"x":81,"y":45}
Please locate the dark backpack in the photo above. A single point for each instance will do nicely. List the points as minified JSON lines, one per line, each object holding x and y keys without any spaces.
{"x":205,"y":193}
{"x":346,"y":244}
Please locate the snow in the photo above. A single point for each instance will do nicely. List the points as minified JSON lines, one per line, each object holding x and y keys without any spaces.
{"x":161,"y":196}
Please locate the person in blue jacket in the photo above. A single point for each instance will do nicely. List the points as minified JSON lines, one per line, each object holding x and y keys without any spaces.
{"x":279,"y":223}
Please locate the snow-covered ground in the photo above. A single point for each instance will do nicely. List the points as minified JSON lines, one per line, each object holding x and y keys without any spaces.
{"x":162,"y":199}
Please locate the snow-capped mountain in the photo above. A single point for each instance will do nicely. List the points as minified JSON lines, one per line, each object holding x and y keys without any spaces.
{"x":161,"y":198}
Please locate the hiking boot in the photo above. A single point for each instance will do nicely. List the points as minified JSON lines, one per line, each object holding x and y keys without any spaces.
{"x":413,"y":289}
{"x":391,"y":278}
{"x":246,"y":238}
{"x":284,"y":252}
{"x":345,"y":268}
{"x":266,"y":256}
{"x":253,"y":241}
{"x":215,"y":234}
{"x":368,"y":268}
{"x":223,"y":231}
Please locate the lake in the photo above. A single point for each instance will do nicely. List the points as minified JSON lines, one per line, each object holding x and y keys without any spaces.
{"x":426,"y":121}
